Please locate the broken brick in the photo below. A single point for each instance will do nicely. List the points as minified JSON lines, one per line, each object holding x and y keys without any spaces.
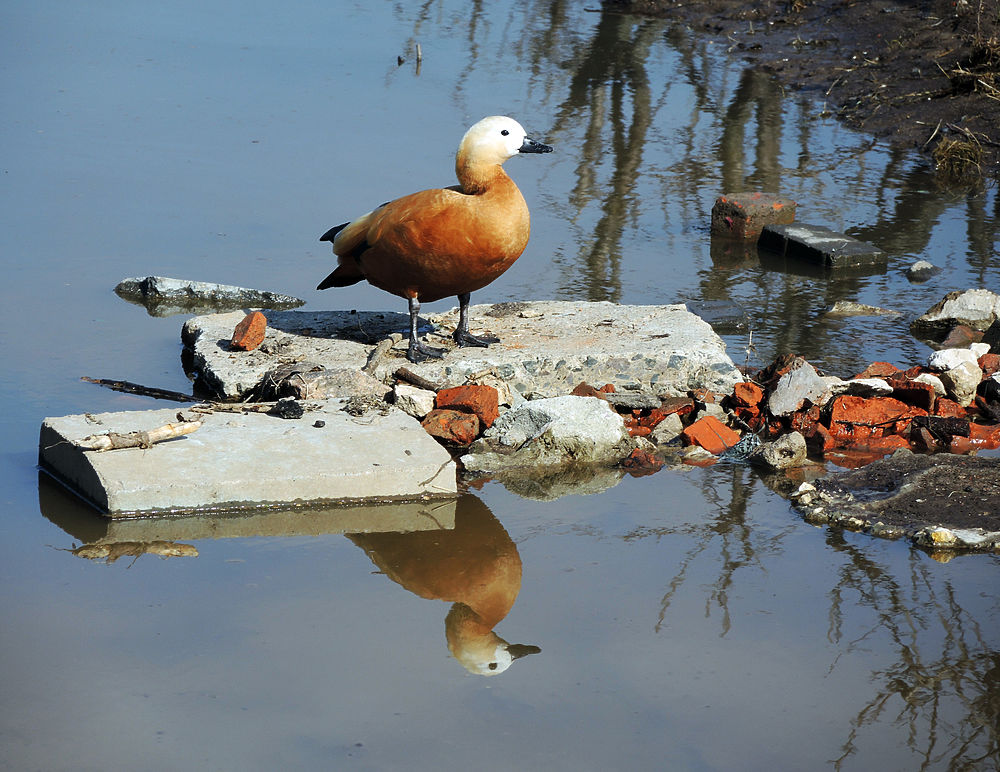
{"x":680,"y":405}
{"x":452,"y":426}
{"x":985,"y":435}
{"x":711,"y":434}
{"x":640,"y":462}
{"x":989,"y":364}
{"x":878,"y":370}
{"x":586,"y":390}
{"x":250,"y":332}
{"x":483,"y":401}
{"x":744,"y":215}
{"x":747,"y":394}
{"x":948,"y":408}
{"x":914,"y":393}
{"x":856,"y":418}
{"x":961,"y":336}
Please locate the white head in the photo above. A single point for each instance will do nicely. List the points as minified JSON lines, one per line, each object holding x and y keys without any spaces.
{"x":495,"y":139}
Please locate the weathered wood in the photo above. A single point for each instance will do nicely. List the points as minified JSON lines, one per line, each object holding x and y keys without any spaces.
{"x":405,"y":374}
{"x":118,"y":441}
{"x":145,"y":391}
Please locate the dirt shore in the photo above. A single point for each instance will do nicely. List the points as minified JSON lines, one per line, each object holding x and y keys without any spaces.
{"x":924,"y":75}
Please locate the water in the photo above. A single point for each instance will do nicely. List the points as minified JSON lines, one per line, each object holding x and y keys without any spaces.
{"x":687,"y":620}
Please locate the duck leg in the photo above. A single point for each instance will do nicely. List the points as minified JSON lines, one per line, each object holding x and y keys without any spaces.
{"x":419,"y":351}
{"x":462,"y":335}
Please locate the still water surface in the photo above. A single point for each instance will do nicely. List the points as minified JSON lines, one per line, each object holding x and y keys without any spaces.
{"x":685,"y":620}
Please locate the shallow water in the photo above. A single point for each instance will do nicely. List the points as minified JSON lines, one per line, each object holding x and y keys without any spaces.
{"x":687,"y":619}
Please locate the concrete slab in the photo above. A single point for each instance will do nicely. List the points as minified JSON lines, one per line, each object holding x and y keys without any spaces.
{"x":249,"y":460}
{"x":819,"y":245}
{"x":546,"y":348}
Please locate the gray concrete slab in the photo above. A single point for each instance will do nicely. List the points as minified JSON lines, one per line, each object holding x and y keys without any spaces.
{"x":546,"y":347}
{"x":819,"y":245}
{"x":249,"y":460}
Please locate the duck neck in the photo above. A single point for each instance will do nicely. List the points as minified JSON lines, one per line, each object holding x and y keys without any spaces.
{"x":477,"y":179}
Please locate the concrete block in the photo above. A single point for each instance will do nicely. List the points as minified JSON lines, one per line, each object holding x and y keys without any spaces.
{"x":819,"y":245}
{"x":238,"y":461}
{"x":547,"y":348}
{"x":744,"y":215}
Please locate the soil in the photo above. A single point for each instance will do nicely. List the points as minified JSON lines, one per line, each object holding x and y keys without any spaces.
{"x":923,"y":75}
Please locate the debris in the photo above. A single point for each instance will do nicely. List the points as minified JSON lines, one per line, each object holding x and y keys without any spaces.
{"x":482,"y":401}
{"x":976,"y":308}
{"x":250,"y":332}
{"x":163,"y":296}
{"x":744,"y":215}
{"x":138,"y":439}
{"x":921,"y":271}
{"x":820,"y":245}
{"x":453,"y":427}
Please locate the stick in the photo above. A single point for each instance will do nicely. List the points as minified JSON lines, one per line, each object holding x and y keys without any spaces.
{"x":116,"y":441}
{"x":145,"y":391}
{"x":405,"y":374}
{"x":379,"y":352}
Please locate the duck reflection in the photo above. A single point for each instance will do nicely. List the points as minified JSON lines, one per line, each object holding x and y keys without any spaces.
{"x":476,"y":567}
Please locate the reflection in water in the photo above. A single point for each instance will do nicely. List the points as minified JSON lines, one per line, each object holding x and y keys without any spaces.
{"x":476,"y":567}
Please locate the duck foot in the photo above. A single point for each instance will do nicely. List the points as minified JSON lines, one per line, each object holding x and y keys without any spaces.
{"x":466,"y":338}
{"x":421,"y":352}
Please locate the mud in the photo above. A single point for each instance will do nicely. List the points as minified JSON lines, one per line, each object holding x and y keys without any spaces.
{"x":918,"y":75}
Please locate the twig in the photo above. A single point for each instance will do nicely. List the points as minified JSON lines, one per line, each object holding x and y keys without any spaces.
{"x":379,"y":352}
{"x":405,"y":374}
{"x":145,"y":391}
{"x":116,"y":441}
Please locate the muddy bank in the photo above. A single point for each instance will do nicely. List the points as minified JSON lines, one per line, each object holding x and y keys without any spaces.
{"x":917,"y":75}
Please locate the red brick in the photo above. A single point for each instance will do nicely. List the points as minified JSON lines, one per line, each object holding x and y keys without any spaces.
{"x":639,"y":463}
{"x":680,"y":405}
{"x":820,"y":441}
{"x":586,"y":390}
{"x":948,"y":408}
{"x":747,"y":394}
{"x":856,"y":418}
{"x":744,"y":215}
{"x":249,"y":333}
{"x":453,"y":426}
{"x":989,"y":364}
{"x":985,"y":435}
{"x":914,"y":393}
{"x":711,"y":434}
{"x":878,"y":370}
{"x":960,"y":336}
{"x":482,"y":401}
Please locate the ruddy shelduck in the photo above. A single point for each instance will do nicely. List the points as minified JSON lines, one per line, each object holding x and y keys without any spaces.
{"x":446,"y":241}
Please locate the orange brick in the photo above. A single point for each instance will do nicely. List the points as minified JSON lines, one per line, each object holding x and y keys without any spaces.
{"x":711,"y":434}
{"x":639,"y":463}
{"x":747,"y":394}
{"x":452,"y":426}
{"x":482,"y":401}
{"x":878,"y":370}
{"x":249,"y":333}
{"x":857,"y":418}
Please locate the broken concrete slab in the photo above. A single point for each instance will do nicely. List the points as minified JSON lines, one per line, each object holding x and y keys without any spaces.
{"x":941,"y":501}
{"x":546,"y":348}
{"x":237,"y":460}
{"x":552,"y":432}
{"x":820,"y":245}
{"x":975,"y":308}
{"x":163,"y":296}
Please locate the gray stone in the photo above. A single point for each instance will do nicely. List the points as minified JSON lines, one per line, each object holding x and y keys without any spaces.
{"x":163,"y":296}
{"x":921,"y":271}
{"x":551,"y":432}
{"x":933,"y":380}
{"x":800,"y":384}
{"x":976,"y":308}
{"x":961,"y":382}
{"x":861,"y":387}
{"x":546,"y":348}
{"x":787,"y":451}
{"x":248,"y":460}
{"x":843,"y":308}
{"x":667,"y":430}
{"x":819,"y":245}
{"x":413,"y":401}
{"x":947,"y":358}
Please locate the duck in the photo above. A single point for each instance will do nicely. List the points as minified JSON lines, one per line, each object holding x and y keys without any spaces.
{"x":443,"y":242}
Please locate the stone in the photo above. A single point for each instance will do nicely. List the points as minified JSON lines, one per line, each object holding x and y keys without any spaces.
{"x":819,"y":245}
{"x":977,"y":308}
{"x":552,"y":432}
{"x":979,"y":349}
{"x":961,"y":382}
{"x":482,"y":401}
{"x":878,"y":370}
{"x":558,"y":344}
{"x":412,"y":400}
{"x":247,"y":460}
{"x":743,"y":215}
{"x":163,"y":296}
{"x":844,"y":308}
{"x":862,"y":387}
{"x":799,"y":385}
{"x":992,"y":337}
{"x":641,"y":462}
{"x":711,"y":434}
{"x":931,"y":380}
{"x":947,"y":358}
{"x":961,"y":336}
{"x":306,"y":380}
{"x":454,"y":427}
{"x":787,"y":451}
{"x":921,"y":271}
{"x":667,"y":430}
{"x":250,"y":332}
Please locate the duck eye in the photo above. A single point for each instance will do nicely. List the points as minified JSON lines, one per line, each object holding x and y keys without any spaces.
{"x":504,"y":132}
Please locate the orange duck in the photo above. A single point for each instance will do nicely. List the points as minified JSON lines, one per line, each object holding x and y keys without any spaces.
{"x":447,"y":241}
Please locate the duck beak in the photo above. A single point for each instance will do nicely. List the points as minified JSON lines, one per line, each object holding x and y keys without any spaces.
{"x":518,"y":650}
{"x":530,"y":146}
